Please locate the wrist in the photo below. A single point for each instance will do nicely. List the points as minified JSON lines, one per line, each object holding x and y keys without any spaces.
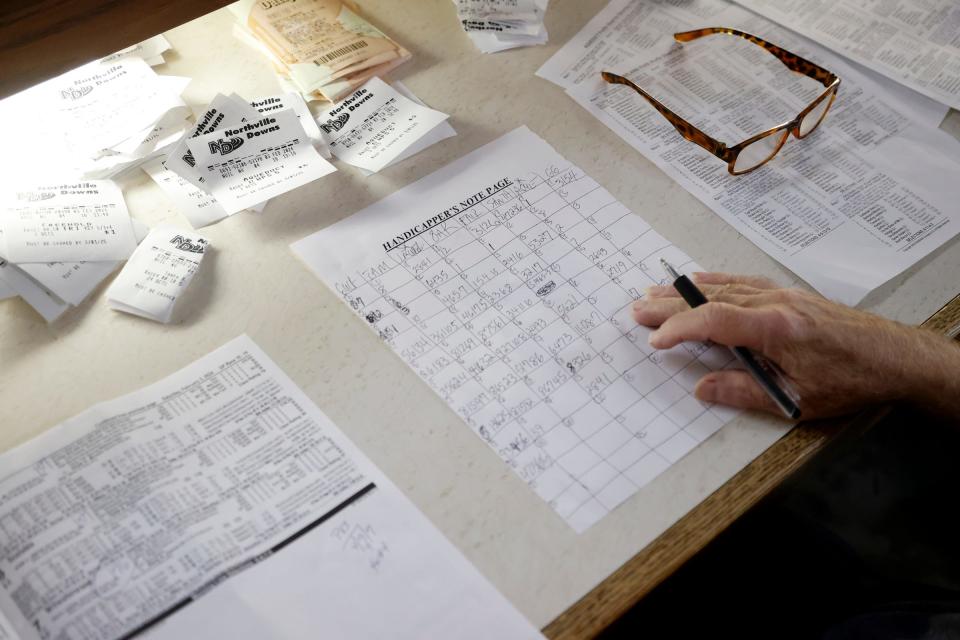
{"x":932,"y":377}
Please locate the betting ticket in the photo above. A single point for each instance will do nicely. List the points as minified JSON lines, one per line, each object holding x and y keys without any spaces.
{"x":281,"y":101}
{"x":223,"y":111}
{"x":245,"y":165}
{"x":72,"y":282}
{"x":158,"y":272}
{"x":85,"y":221}
{"x":375,"y":125}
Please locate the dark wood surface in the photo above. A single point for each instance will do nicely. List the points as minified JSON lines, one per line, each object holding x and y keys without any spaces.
{"x":43,"y":38}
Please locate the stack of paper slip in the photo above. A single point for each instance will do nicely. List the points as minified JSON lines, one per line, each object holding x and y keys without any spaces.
{"x":323,"y":46}
{"x":158,"y":272}
{"x":378,"y":125}
{"x":58,"y":242}
{"x":238,"y":155}
{"x":95,"y":121}
{"x":150,"y":50}
{"x":498,"y":25}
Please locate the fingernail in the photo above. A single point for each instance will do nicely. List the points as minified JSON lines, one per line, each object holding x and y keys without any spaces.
{"x":655,"y":290}
{"x":639,"y":304}
{"x":706,"y":390}
{"x":652,"y":338}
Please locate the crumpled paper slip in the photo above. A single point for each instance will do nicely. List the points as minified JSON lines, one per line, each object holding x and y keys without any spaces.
{"x":158,"y":273}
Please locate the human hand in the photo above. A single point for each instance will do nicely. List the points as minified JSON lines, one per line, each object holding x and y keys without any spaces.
{"x":838,"y":359}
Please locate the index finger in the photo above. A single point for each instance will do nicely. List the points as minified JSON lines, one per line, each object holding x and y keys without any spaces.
{"x":719,"y":322}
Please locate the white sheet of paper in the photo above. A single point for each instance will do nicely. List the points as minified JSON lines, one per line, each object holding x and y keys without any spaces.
{"x":41,"y":299}
{"x":249,"y":164}
{"x":914,"y":43}
{"x":375,"y":124}
{"x":158,"y":273}
{"x":75,"y":222}
{"x":440,"y":132}
{"x":264,"y":519}
{"x":848,"y":208}
{"x":223,"y":111}
{"x":506,"y":282}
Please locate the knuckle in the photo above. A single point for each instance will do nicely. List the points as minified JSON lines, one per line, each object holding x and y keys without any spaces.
{"x":717,"y":314}
{"x":786,"y":324}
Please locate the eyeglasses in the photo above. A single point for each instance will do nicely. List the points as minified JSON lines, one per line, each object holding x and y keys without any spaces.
{"x":753,"y":152}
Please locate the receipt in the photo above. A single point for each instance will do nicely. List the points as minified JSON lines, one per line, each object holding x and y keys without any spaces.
{"x":498,"y":25}
{"x":246,"y":165}
{"x":41,"y":299}
{"x":199,"y":207}
{"x":223,"y":111}
{"x":72,"y":282}
{"x":323,"y":45}
{"x":279,"y":102}
{"x":150,"y":50}
{"x":104,"y":104}
{"x":158,"y":272}
{"x":73,"y":222}
{"x":376,"y":124}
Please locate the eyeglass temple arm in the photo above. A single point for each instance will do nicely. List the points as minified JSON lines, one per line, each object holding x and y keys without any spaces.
{"x":790,"y":60}
{"x":684,"y":128}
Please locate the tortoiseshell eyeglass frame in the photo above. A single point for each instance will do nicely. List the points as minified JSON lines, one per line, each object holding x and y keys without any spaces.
{"x":714,"y":146}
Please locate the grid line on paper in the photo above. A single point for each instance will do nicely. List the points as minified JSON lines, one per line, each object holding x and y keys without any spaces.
{"x":513,"y":312}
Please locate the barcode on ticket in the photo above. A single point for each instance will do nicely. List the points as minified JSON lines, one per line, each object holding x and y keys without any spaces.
{"x":338,"y":53}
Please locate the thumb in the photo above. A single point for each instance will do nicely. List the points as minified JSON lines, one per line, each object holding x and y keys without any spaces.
{"x":734,"y":388}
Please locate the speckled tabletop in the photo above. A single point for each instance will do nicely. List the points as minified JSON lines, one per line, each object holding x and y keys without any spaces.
{"x":252,"y":283}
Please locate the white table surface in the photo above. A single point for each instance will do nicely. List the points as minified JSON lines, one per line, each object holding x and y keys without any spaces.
{"x":252,"y":283}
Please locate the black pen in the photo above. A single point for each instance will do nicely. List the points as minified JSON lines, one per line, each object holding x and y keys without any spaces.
{"x":766,"y":373}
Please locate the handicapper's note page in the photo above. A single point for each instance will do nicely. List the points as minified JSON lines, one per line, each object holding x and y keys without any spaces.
{"x":506,"y":281}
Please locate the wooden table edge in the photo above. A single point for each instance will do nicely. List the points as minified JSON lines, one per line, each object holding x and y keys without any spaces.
{"x":622,"y":589}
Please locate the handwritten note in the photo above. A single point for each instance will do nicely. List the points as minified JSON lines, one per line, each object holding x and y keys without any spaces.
{"x":506,"y":281}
